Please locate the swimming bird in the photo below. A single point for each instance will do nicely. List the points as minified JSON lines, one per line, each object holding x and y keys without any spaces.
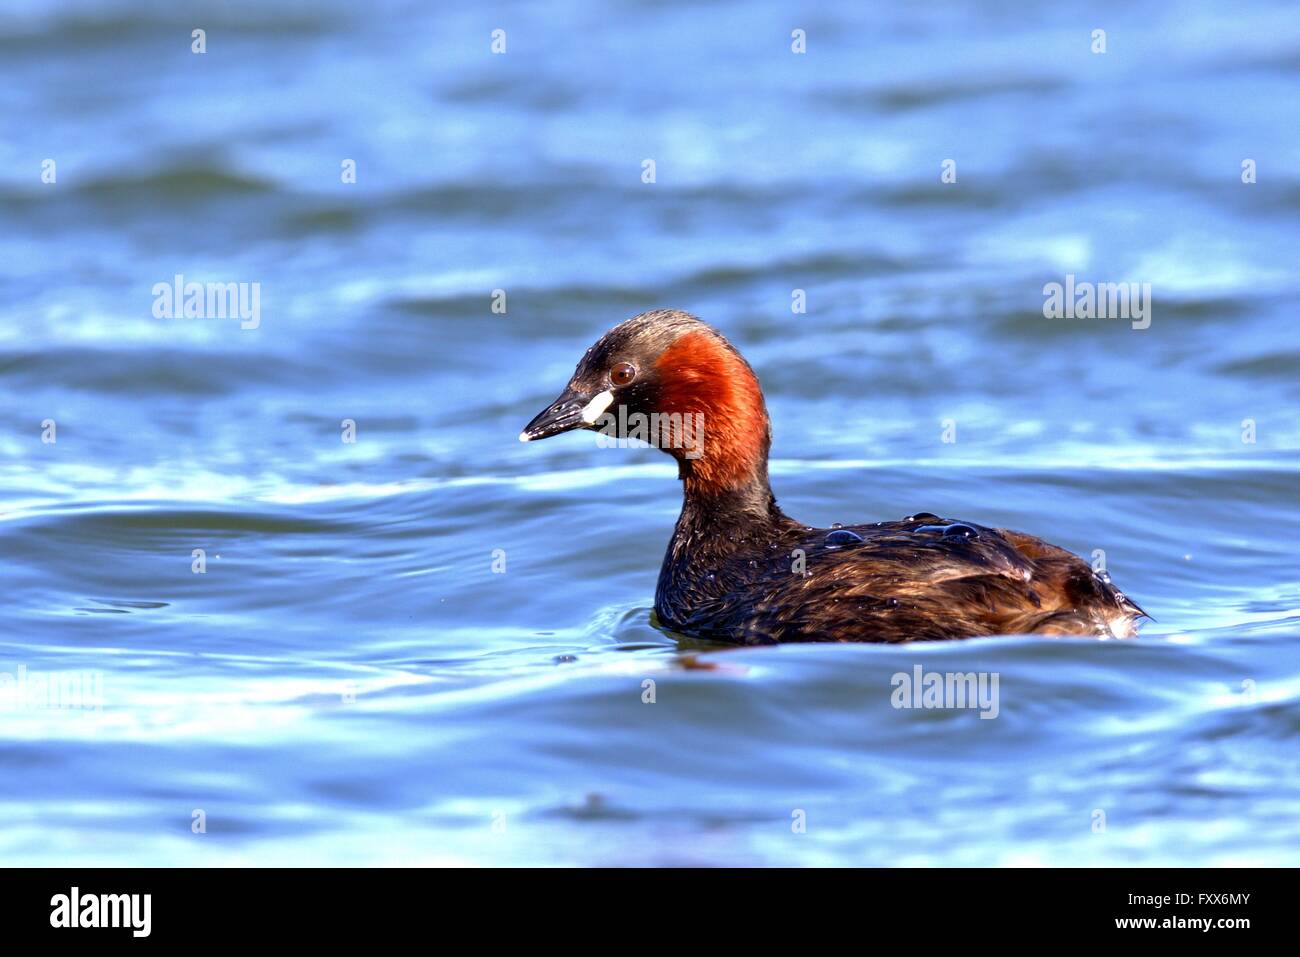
{"x":739,"y":570}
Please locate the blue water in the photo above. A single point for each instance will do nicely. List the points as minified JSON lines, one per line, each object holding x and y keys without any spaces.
{"x":350,"y":682}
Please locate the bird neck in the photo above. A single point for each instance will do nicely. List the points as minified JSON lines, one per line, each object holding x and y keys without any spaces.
{"x":742,"y":511}
{"x":710,"y":389}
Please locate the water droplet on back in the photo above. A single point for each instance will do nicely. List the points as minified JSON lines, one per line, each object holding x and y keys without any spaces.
{"x":841,"y":537}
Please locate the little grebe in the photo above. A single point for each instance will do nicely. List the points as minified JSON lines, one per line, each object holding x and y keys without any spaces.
{"x":739,"y":570}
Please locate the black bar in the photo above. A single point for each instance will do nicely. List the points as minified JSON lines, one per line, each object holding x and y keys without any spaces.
{"x":331,"y":908}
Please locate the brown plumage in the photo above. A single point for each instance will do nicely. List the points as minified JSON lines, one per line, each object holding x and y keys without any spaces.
{"x":739,"y":570}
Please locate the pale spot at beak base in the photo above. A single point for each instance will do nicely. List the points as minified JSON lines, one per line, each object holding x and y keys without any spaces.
{"x":597,"y":406}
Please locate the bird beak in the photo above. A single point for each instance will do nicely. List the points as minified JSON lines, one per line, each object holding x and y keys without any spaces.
{"x":572,"y":410}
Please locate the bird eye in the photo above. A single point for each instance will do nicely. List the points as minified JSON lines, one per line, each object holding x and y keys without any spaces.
{"x":622,"y":374}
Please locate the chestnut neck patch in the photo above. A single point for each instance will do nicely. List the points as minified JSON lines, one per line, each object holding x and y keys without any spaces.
{"x":700,"y":373}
